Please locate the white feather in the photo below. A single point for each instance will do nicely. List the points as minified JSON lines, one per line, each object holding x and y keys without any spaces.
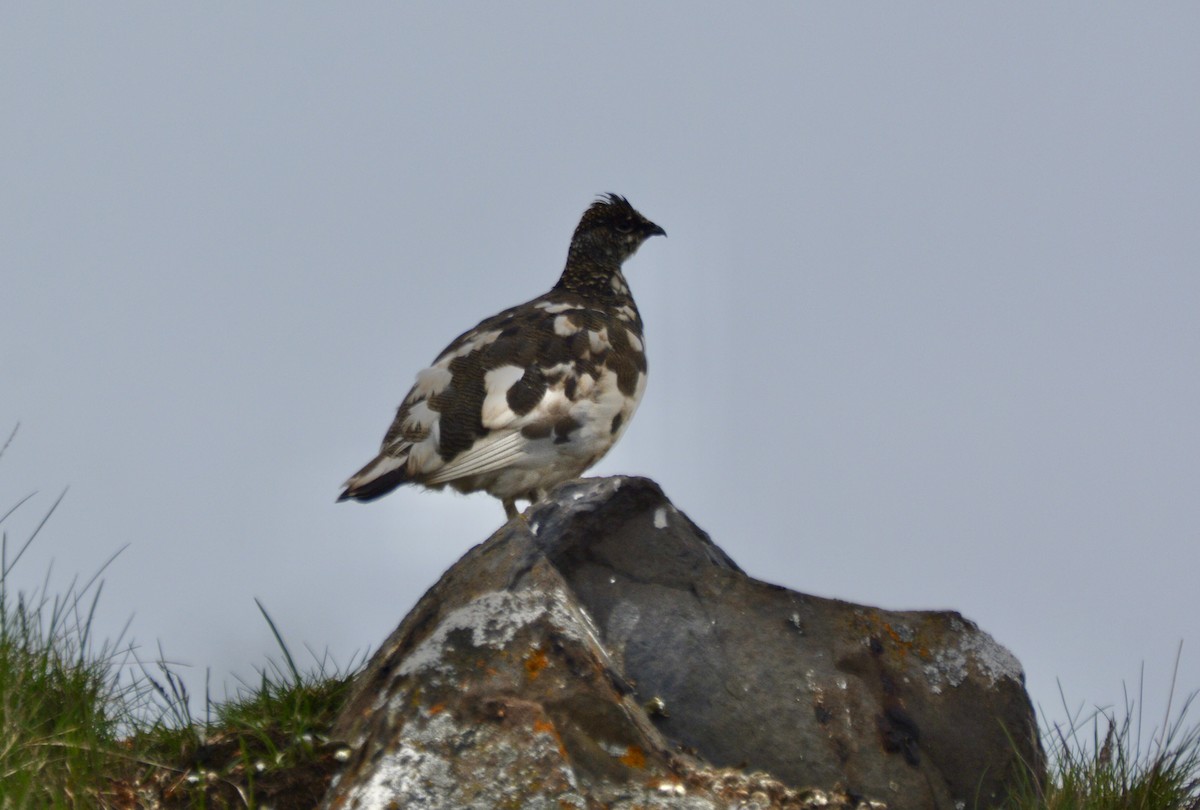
{"x":598,"y":341}
{"x":420,"y":418}
{"x":565,"y":326}
{"x":491,"y":453}
{"x":626,"y":313}
{"x":382,"y":465}
{"x":472,"y":343}
{"x":554,"y":308}
{"x":430,"y":382}
{"x":496,"y":414}
{"x":635,"y":341}
{"x":423,"y":456}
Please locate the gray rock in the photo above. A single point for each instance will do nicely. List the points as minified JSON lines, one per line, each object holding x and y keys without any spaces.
{"x":603,"y":652}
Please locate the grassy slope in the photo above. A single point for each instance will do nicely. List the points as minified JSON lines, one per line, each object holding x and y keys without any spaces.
{"x":75,"y":733}
{"x":83,"y":725}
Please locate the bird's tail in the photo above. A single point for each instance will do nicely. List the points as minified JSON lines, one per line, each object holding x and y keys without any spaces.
{"x":382,"y":474}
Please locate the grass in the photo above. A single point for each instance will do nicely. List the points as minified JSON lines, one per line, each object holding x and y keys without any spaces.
{"x":268,"y":746}
{"x":87,"y":725}
{"x":1103,"y":762}
{"x":81,"y":727}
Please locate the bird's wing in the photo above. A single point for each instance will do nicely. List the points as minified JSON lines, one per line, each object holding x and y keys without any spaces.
{"x":491,"y":453}
{"x":499,"y":394}
{"x":521,"y":420}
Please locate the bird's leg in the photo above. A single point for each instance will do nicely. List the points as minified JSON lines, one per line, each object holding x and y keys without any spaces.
{"x":510,"y":507}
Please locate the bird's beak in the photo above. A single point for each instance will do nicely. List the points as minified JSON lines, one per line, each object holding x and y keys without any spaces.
{"x":654,"y":230}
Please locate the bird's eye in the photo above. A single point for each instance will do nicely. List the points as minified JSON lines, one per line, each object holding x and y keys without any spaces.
{"x":625,"y":227}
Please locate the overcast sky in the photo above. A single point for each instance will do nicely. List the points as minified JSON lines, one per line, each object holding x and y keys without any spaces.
{"x":925,"y":333}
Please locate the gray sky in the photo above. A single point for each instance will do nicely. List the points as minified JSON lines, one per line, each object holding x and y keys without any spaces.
{"x":925,"y":333}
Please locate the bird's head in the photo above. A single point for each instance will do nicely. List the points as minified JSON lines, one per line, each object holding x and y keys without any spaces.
{"x":611,"y":231}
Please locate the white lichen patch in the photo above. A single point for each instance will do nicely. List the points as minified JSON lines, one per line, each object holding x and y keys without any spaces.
{"x":441,"y":765}
{"x":660,"y":517}
{"x":993,"y":659}
{"x":613,"y":749}
{"x":412,"y":775}
{"x":975,"y":648}
{"x":948,"y":668}
{"x":672,"y":788}
{"x":493,"y":619}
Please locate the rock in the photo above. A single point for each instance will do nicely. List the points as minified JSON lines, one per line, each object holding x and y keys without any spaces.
{"x":603,"y":652}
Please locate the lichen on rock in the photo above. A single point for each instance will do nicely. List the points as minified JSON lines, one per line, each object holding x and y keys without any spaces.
{"x":602,"y":651}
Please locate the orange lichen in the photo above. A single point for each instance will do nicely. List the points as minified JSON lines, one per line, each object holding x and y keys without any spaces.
{"x":902,"y":641}
{"x":437,"y":708}
{"x":547,"y":727}
{"x":634,"y":758}
{"x":535,"y":662}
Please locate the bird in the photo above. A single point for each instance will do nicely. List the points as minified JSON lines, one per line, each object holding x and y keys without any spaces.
{"x":532,"y":396}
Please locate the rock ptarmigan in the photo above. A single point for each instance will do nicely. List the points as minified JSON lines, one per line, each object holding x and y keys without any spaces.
{"x":532,"y":396}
